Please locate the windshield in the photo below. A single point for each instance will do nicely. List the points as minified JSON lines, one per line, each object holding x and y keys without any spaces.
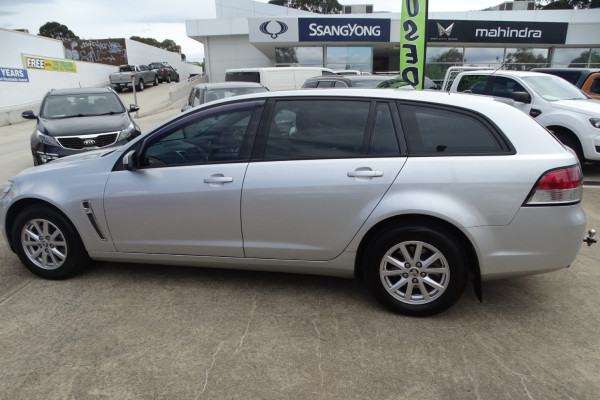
{"x":81,"y":105}
{"x":552,"y":88}
{"x":217,"y":94}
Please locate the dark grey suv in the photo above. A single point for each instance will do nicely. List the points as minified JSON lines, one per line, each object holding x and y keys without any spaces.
{"x":166,"y":73}
{"x":72,"y":121}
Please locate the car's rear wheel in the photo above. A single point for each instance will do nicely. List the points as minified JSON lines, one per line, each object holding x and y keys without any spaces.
{"x":416,"y":270}
{"x":47,"y":244}
{"x":168,"y":78}
{"x":156,"y":81}
{"x":140,"y":86}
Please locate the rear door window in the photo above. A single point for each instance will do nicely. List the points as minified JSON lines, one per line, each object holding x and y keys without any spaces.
{"x":473,"y":84}
{"x":302,"y":129}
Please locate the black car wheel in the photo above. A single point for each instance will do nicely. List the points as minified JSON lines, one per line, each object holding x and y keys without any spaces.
{"x":416,"y":270}
{"x":47,"y":244}
{"x":140,"y":86}
{"x":168,"y":78}
{"x":156,"y":81}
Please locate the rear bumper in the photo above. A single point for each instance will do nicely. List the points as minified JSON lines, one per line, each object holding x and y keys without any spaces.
{"x":539,"y":239}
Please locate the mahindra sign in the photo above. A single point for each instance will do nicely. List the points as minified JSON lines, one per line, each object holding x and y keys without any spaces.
{"x":496,"y":32}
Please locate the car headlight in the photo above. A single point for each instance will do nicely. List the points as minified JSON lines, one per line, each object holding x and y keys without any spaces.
{"x":46,"y":139}
{"x":5,"y":188}
{"x":127,"y":132}
{"x":595,"y":122}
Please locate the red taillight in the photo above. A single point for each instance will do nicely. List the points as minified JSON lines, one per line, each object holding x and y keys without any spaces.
{"x":562,"y":186}
{"x":163,"y":70}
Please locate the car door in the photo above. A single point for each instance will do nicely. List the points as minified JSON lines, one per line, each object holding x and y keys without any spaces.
{"x":324,"y":166}
{"x":185,"y":196}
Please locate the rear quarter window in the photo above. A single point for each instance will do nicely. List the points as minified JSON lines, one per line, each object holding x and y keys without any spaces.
{"x":437,"y":131}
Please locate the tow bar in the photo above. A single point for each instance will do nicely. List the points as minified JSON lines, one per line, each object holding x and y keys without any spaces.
{"x":590,"y":239}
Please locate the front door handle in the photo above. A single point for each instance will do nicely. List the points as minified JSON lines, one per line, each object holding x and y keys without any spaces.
{"x":365,"y":174}
{"x":218,"y":179}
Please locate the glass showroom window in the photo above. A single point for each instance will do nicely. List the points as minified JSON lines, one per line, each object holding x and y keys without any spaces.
{"x":524,"y":59}
{"x":439,"y":59}
{"x":595,"y":58}
{"x":299,"y":56}
{"x":359,"y":58}
{"x":484,"y":57}
{"x":572,"y":58}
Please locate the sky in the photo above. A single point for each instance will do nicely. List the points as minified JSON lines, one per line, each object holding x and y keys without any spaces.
{"x":158,"y":19}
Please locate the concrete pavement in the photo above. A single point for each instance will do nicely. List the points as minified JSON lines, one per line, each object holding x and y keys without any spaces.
{"x":126,"y":331}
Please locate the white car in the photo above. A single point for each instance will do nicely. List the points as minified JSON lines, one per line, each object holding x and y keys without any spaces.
{"x":409,"y":191}
{"x":573,"y":116}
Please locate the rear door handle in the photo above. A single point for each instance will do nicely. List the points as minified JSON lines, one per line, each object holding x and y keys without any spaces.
{"x":365,"y":174}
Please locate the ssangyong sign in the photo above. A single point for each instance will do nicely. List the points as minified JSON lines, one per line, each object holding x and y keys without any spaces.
{"x":496,"y":31}
{"x":344,"y":30}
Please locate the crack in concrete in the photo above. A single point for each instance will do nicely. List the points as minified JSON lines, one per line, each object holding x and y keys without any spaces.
{"x":254,"y":305}
{"x":15,"y":290}
{"x":522,"y":377}
{"x":207,"y":372}
{"x":319,"y":356}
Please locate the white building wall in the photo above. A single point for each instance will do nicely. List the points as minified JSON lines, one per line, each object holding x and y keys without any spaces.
{"x":16,"y":97}
{"x":225,"y":52}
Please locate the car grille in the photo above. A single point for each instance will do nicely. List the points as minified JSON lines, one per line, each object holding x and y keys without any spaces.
{"x":88,"y":141}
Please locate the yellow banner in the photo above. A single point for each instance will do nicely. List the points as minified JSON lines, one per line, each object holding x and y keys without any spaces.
{"x":48,"y":64}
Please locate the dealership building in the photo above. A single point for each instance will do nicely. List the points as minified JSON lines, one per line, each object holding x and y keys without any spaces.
{"x":252,"y":34}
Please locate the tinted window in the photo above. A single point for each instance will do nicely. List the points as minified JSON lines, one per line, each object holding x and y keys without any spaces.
{"x":384,"y":140}
{"x":215,"y":137}
{"x":82,"y":105}
{"x":325,"y":84}
{"x":445,"y":132}
{"x":247,"y":76}
{"x":595,"y":88}
{"x":310,"y":84}
{"x":505,"y":87}
{"x":474,"y":83}
{"x":317,"y":129}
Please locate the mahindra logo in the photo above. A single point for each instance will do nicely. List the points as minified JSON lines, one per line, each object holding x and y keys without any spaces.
{"x":89,"y":142}
{"x":282,"y":29}
{"x":445,"y":31}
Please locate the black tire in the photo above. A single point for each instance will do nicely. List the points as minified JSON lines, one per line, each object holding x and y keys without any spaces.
{"x":155,"y":83}
{"x":140,"y":86}
{"x":47,"y":244}
{"x":177,"y":79}
{"x":168,"y":78}
{"x":396,"y":273}
{"x":119,"y":89}
{"x":571,"y":141}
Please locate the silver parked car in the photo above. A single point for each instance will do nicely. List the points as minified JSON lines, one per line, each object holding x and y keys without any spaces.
{"x":409,"y":191}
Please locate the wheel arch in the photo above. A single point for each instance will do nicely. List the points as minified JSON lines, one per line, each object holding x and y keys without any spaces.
{"x":561,"y":132}
{"x":421,"y":220}
{"x":22,"y":204}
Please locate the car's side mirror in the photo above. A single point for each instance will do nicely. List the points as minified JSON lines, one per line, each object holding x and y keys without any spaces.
{"x":133,"y":107}
{"x":130,"y":161}
{"x":522,"y":97}
{"x":28,"y":114}
{"x":186,"y":107}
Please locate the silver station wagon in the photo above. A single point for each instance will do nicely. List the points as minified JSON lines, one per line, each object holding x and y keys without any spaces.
{"x":410,"y":192}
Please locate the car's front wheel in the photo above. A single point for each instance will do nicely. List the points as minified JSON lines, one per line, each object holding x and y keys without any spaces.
{"x":416,"y":270}
{"x":47,"y":244}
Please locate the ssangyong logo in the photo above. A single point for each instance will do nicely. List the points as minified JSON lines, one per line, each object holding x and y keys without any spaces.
{"x":264,"y":28}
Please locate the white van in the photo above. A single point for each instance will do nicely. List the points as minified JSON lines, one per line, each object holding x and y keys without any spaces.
{"x":276,"y":78}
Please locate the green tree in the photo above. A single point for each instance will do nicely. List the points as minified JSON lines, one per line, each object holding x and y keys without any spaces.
{"x":166,"y":44}
{"x":436,"y":66}
{"x":316,"y":6}
{"x":567,"y":4}
{"x":524,"y":60}
{"x":56,"y":30}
